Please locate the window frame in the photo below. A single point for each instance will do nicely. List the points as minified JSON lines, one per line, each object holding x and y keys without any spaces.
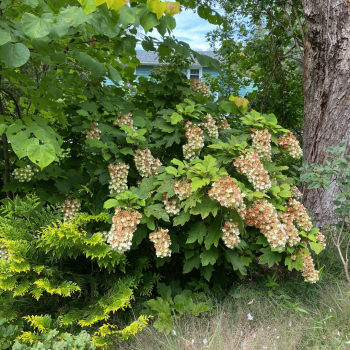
{"x":197,"y":68}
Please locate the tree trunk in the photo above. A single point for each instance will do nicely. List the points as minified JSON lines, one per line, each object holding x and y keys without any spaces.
{"x":326,"y":91}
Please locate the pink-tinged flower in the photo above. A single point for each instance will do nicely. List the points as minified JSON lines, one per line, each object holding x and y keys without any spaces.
{"x":162,"y":242}
{"x":195,"y":141}
{"x":70,"y":208}
{"x":226,"y":192}
{"x":145,"y":163}
{"x":298,"y":212}
{"x":124,"y":224}
{"x":230,"y":234}
{"x":262,"y":143}
{"x":94,"y":132}
{"x":118,"y":174}
{"x":291,"y":144}
{"x":263,"y":216}
{"x":249,"y":164}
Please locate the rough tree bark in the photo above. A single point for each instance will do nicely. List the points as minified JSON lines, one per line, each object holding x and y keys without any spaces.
{"x":326,"y":90}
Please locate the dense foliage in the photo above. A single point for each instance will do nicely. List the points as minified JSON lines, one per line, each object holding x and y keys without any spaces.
{"x":133,"y":184}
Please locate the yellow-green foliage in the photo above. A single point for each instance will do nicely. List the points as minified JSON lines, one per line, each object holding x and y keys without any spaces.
{"x":64,"y":273}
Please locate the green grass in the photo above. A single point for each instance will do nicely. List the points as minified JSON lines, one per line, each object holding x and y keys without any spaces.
{"x":294,"y":315}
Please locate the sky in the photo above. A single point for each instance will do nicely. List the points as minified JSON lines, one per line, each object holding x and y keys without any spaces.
{"x":191,"y":29}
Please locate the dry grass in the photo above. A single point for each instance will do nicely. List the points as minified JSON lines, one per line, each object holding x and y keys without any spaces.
{"x":226,"y":327}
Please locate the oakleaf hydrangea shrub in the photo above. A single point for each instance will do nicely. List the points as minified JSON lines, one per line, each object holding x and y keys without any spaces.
{"x":174,"y":186}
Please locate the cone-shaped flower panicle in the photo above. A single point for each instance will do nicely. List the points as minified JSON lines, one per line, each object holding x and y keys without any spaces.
{"x":146,"y":164}
{"x":210,"y":127}
{"x":195,"y":141}
{"x":249,"y":164}
{"x":296,"y":194}
{"x":161,"y":240}
{"x":200,"y":87}
{"x":24,"y":174}
{"x":70,"y":208}
{"x":262,"y":143}
{"x":94,"y":132}
{"x":183,"y":190}
{"x":309,"y":273}
{"x":322,"y":239}
{"x":291,"y":144}
{"x":223,"y":124}
{"x":298,"y":212}
{"x":119,"y":177}
{"x":263,"y":216}
{"x":125,"y":120}
{"x":172,"y":205}
{"x":226,"y":192}
{"x":124,"y":224}
{"x":230,"y":234}
{"x":292,"y":233}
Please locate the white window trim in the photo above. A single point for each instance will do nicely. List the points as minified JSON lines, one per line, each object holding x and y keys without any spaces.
{"x":200,"y":72}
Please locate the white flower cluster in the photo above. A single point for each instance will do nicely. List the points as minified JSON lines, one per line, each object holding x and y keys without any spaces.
{"x":125,"y":120}
{"x":309,"y":273}
{"x":183,"y":190}
{"x":291,"y":144}
{"x":124,"y":224}
{"x":161,"y":240}
{"x":226,"y":192}
{"x":70,"y":208}
{"x":24,"y":174}
{"x":195,"y":142}
{"x":263,"y":216}
{"x":249,"y":164}
{"x":3,"y":252}
{"x":292,"y":233}
{"x":119,"y":175}
{"x":223,"y":124}
{"x":230,"y":234}
{"x":94,"y":132}
{"x":172,"y":205}
{"x":322,"y":239}
{"x":296,"y":194}
{"x":200,"y":87}
{"x":210,"y":127}
{"x":298,"y":212}
{"x":145,"y":163}
{"x":262,"y":143}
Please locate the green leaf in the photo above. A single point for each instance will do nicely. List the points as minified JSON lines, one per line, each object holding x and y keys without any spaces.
{"x":88,"y":5}
{"x":175,"y":118}
{"x":262,"y":240}
{"x":209,"y":256}
{"x":14,"y":55}
{"x":197,"y":183}
{"x":237,"y":264}
{"x":164,"y":291}
{"x":269,"y":257}
{"x":159,"y":305}
{"x":75,"y":16}
{"x":198,"y":308}
{"x":182,"y":218}
{"x":35,"y":27}
{"x":110,"y":203}
{"x":285,"y":194}
{"x":206,"y":207}
{"x":127,"y":16}
{"x":317,"y":247}
{"x":294,"y":264}
{"x":5,"y":37}
{"x":171,"y":170}
{"x":41,"y":155}
{"x":206,"y":271}
{"x":32,"y":3}
{"x":197,"y":233}
{"x":157,"y":210}
{"x":214,"y":233}
{"x":114,"y":74}
{"x":192,"y":263}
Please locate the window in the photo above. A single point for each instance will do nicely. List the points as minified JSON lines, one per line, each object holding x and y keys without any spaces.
{"x":194,"y":74}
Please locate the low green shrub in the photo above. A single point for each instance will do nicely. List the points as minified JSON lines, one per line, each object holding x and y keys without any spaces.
{"x":51,"y":341}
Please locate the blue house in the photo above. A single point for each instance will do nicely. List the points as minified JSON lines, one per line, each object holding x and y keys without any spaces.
{"x":149,"y":61}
